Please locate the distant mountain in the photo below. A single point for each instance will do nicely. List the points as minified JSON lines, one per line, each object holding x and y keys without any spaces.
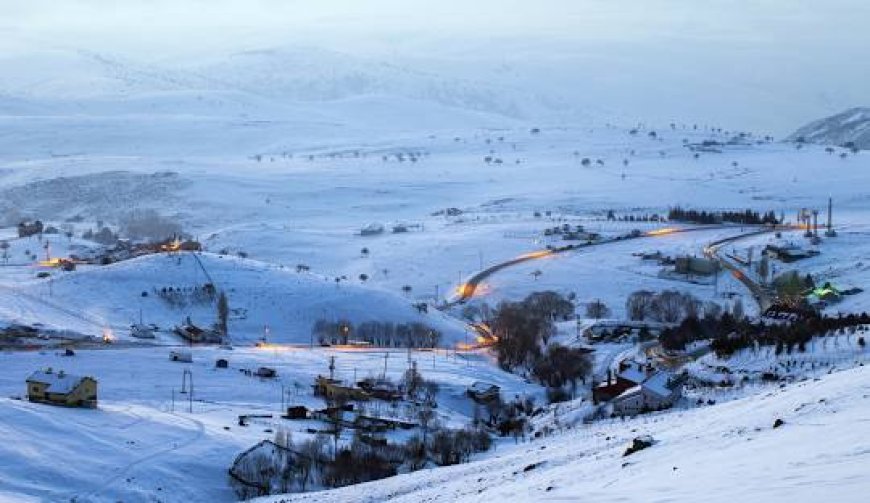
{"x":270,"y":82}
{"x":309,"y":74}
{"x":849,"y":128}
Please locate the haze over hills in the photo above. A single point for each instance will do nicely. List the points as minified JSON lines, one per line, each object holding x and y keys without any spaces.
{"x":256,"y":82}
{"x":505,"y":78}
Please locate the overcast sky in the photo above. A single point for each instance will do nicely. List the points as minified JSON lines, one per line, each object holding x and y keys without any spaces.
{"x":790,"y":50}
{"x":193,"y":24}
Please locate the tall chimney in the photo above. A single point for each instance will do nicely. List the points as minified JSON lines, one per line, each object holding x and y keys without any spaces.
{"x":830,"y":232}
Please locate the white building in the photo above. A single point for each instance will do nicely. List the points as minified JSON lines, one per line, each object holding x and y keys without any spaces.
{"x":659,"y":391}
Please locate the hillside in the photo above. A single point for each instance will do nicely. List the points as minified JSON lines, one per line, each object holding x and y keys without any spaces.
{"x":851,"y":127}
{"x":259,"y":295}
{"x":723,"y":453}
{"x":138,"y":446}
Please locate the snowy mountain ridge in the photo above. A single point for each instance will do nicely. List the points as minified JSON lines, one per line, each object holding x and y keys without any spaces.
{"x":848,"y":128}
{"x":264,"y":80}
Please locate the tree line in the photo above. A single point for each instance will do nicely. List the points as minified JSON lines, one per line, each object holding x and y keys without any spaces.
{"x":729,"y":334}
{"x":383,"y":334}
{"x":715,"y":217}
{"x":669,"y":306}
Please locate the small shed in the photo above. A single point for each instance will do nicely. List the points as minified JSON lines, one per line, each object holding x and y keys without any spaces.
{"x":181,"y":355}
{"x":222,"y":363}
{"x":297,"y":412}
{"x":266,"y":372}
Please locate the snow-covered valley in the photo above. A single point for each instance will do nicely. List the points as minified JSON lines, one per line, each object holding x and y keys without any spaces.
{"x":289,"y":272}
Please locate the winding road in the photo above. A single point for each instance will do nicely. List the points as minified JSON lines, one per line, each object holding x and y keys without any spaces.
{"x":763,"y":295}
{"x":764,"y":298}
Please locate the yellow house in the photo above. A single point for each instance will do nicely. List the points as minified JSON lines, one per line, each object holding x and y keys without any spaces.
{"x":60,"y":388}
{"x":332,"y":388}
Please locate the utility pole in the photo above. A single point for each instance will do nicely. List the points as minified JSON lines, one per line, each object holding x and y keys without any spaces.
{"x":386,"y":357}
{"x":716,"y":281}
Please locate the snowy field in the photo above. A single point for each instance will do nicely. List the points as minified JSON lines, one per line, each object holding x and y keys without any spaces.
{"x":279,"y":190}
{"x":289,"y":209}
{"x":138,"y":446}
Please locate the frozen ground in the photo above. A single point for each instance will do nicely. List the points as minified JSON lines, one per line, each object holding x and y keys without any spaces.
{"x":264,"y":295}
{"x":140,"y":448}
{"x":289,"y":210}
{"x":722,"y":453}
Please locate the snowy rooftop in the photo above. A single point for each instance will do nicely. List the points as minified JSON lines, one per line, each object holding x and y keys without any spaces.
{"x":659,"y":383}
{"x":58,"y":382}
{"x":633,"y":374}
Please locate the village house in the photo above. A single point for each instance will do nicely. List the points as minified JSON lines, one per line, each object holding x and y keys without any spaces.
{"x":658,"y":392}
{"x":382,"y":389}
{"x":695,"y":265}
{"x":482,"y":392}
{"x":197,"y":335}
{"x":630,"y":375}
{"x":372,"y":229}
{"x":608,"y":329}
{"x":788,"y":253}
{"x":60,"y":388}
{"x":332,"y":388}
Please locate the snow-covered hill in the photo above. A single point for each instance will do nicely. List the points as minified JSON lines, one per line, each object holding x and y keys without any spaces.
{"x":851,"y":127}
{"x":722,"y":453}
{"x":259,"y":295}
{"x":139,"y":446}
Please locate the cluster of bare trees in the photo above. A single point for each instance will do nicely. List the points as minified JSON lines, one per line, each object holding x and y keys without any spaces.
{"x":524,"y":329}
{"x":451,"y":447}
{"x":669,"y":306}
{"x":282,"y":466}
{"x":384,"y":334}
{"x":184,"y":296}
{"x":560,"y":366}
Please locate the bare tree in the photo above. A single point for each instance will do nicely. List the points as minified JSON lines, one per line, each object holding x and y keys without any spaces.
{"x":712,"y":310}
{"x":597,"y":309}
{"x":223,"y":313}
{"x":638,"y":305}
{"x":668,"y":305}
